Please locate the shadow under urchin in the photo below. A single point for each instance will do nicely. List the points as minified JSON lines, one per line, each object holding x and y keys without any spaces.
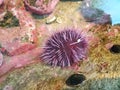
{"x":65,"y":48}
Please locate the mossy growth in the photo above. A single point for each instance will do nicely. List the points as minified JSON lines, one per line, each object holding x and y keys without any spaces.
{"x":32,"y":2}
{"x":101,"y":84}
{"x":9,"y":20}
{"x":46,"y":1}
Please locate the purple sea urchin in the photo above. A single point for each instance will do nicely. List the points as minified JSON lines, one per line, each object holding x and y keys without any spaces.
{"x":65,"y":48}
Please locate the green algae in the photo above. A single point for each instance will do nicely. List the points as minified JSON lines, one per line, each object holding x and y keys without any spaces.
{"x":41,"y":77}
{"x":36,"y":76}
{"x":32,"y":2}
{"x":9,"y":20}
{"x":101,"y":84}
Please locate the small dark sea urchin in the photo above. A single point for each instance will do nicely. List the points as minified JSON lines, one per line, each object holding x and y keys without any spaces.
{"x":65,"y":48}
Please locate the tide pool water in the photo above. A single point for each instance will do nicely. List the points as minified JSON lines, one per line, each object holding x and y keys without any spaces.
{"x":111,"y":7}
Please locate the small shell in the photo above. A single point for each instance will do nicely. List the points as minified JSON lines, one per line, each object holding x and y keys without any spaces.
{"x":50,"y":20}
{"x":1,"y":59}
{"x":59,"y":20}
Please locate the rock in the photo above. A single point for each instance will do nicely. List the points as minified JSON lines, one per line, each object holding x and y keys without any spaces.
{"x":1,"y":2}
{"x":16,"y":48}
{"x":71,"y":0}
{"x":95,"y":15}
{"x":115,"y":49}
{"x":8,"y":20}
{"x":90,"y":14}
{"x":40,"y":7}
{"x":75,"y":79}
{"x":104,"y":19}
{"x":100,"y":84}
{"x":118,"y":24}
{"x":8,"y":87}
{"x":36,"y":77}
{"x":1,"y":59}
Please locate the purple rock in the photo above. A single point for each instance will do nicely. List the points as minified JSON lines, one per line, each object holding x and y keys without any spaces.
{"x":95,"y":15}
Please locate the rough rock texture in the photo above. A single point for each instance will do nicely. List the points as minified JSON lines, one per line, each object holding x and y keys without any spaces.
{"x":1,"y":2}
{"x":95,"y":15}
{"x":41,"y":7}
{"x":102,"y":69}
{"x":36,"y":77}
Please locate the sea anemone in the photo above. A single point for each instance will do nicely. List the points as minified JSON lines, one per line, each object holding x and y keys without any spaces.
{"x":65,"y":48}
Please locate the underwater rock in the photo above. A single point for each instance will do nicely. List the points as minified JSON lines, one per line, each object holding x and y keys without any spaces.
{"x":8,"y":87}
{"x":36,"y":77}
{"x":95,"y":15}
{"x":41,"y":7}
{"x":1,"y":2}
{"x":104,"y":19}
{"x":9,"y":20}
{"x":16,"y":48}
{"x":71,"y":0}
{"x":65,"y":48}
{"x":99,"y":84}
{"x":75,"y":79}
{"x":1,"y":58}
{"x":115,"y":49}
{"x":19,"y":61}
{"x":118,"y":24}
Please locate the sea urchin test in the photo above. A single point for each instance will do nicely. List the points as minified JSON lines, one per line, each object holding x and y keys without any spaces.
{"x":65,"y":48}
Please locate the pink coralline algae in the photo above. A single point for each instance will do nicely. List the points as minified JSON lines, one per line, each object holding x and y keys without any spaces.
{"x":1,"y":2}
{"x":19,"y":61}
{"x":65,"y":48}
{"x":1,"y":58}
{"x":41,"y":7}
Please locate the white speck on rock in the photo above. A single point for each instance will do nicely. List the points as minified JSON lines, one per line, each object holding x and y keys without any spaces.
{"x":1,"y":59}
{"x":8,"y":87}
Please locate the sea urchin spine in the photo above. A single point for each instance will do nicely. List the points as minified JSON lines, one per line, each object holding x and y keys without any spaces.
{"x":65,"y":48}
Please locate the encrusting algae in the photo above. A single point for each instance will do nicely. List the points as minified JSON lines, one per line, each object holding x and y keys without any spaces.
{"x":9,"y":20}
{"x":101,"y":68}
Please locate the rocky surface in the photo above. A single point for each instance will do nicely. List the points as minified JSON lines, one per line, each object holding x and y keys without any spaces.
{"x":95,"y":15}
{"x":101,"y":68}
